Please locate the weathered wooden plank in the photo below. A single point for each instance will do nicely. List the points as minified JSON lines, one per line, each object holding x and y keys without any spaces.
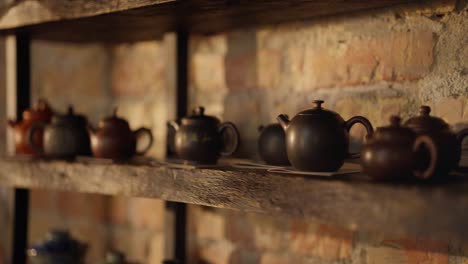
{"x":198,"y":16}
{"x":438,"y":211}
{"x":22,"y":13}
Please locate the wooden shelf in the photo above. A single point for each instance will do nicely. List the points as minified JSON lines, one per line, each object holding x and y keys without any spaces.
{"x":437,"y":210}
{"x":124,"y":20}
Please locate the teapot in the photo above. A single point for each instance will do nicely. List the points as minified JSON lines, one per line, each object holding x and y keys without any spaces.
{"x":318,"y":139}
{"x":199,"y":138}
{"x":41,"y":112}
{"x":272,"y":145}
{"x":113,"y":139}
{"x":64,"y":138}
{"x":448,"y":143}
{"x":58,"y":247}
{"x":396,"y":152}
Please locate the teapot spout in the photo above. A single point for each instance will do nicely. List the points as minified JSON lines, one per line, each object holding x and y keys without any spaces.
{"x":91,"y":129}
{"x":173,"y":124}
{"x":283,"y":121}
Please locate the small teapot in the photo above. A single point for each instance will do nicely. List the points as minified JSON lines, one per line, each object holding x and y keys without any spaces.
{"x":318,"y":139}
{"x":448,"y":143}
{"x":57,"y":248}
{"x":113,"y":139}
{"x":64,"y":138}
{"x":395,"y":152}
{"x":199,"y":138}
{"x":41,"y":112}
{"x":272,"y":145}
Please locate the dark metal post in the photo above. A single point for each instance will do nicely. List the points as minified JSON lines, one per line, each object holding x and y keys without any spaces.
{"x":21,"y":196}
{"x":180,"y":209}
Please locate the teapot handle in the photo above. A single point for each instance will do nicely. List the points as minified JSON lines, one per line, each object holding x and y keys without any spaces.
{"x":426,"y":141}
{"x":30,"y":136}
{"x":229,"y":126}
{"x":366,"y":123}
{"x":138,"y":133}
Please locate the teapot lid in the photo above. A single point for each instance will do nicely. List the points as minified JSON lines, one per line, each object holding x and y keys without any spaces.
{"x":198,"y":116}
{"x":394,"y":130}
{"x":57,"y":242}
{"x":41,"y":109}
{"x":319,"y":111}
{"x":426,"y":122}
{"x":114,"y":121}
{"x":69,"y":117}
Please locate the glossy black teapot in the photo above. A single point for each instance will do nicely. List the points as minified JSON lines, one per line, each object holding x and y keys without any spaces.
{"x":272,"y":145}
{"x":200,"y":138}
{"x":65,"y":137}
{"x":318,"y":139}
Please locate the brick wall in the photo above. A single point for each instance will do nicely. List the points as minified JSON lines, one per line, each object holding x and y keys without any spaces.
{"x":370,"y":63}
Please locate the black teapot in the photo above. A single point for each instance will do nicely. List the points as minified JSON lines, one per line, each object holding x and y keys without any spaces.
{"x":318,"y":139}
{"x":448,"y":143}
{"x":200,"y":138}
{"x":57,"y":248}
{"x":272,"y":145}
{"x":65,"y":137}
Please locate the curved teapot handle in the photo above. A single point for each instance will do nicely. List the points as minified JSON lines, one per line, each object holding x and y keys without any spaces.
{"x":366,"y":123}
{"x":138,"y":133}
{"x":236,"y":139}
{"x":30,"y":136}
{"x":426,"y":141}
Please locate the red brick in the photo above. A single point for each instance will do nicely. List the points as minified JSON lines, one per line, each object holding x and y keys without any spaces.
{"x":239,"y":230}
{"x":272,"y":258}
{"x":241,"y":71}
{"x":424,"y":251}
{"x":147,"y":213}
{"x":92,"y":207}
{"x":118,"y":210}
{"x":43,"y":200}
{"x":323,"y":241}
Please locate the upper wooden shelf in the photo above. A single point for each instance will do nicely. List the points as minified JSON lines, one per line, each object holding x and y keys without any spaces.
{"x":436,"y":210}
{"x":125,"y":20}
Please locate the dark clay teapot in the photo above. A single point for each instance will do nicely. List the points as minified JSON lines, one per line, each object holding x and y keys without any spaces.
{"x":113,"y":139}
{"x":199,"y":138}
{"x":41,"y":112}
{"x":318,"y":139}
{"x":396,"y":152}
{"x":65,"y":137}
{"x":448,"y":143}
{"x":272,"y":145}
{"x":57,"y":248}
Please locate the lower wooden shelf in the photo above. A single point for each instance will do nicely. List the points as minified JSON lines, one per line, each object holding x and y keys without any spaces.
{"x":436,"y":210}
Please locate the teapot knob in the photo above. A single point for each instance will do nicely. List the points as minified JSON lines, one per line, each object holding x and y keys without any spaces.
{"x":424,"y":110}
{"x":114,"y":111}
{"x":318,"y":103}
{"x":70,"y":110}
{"x":199,"y":110}
{"x":395,"y":121}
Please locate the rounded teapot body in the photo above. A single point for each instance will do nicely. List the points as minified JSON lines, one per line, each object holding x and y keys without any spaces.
{"x":200,"y":143}
{"x":116,"y":144}
{"x":272,"y":145}
{"x":66,"y":140}
{"x":316,"y":144}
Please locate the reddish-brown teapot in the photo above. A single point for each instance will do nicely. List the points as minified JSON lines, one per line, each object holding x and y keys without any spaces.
{"x":448,"y":143}
{"x":115,"y":140}
{"x":41,"y":112}
{"x":317,"y":139}
{"x":396,"y":152}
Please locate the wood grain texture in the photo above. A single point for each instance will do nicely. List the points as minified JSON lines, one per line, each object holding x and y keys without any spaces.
{"x":197,"y":16}
{"x":29,"y":12}
{"x":436,"y":211}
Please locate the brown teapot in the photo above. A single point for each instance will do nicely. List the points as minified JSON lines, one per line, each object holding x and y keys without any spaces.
{"x":396,"y":152}
{"x":448,"y":143}
{"x":41,"y":112}
{"x":64,"y":138}
{"x":318,"y":139}
{"x":113,"y":139}
{"x":199,"y":138}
